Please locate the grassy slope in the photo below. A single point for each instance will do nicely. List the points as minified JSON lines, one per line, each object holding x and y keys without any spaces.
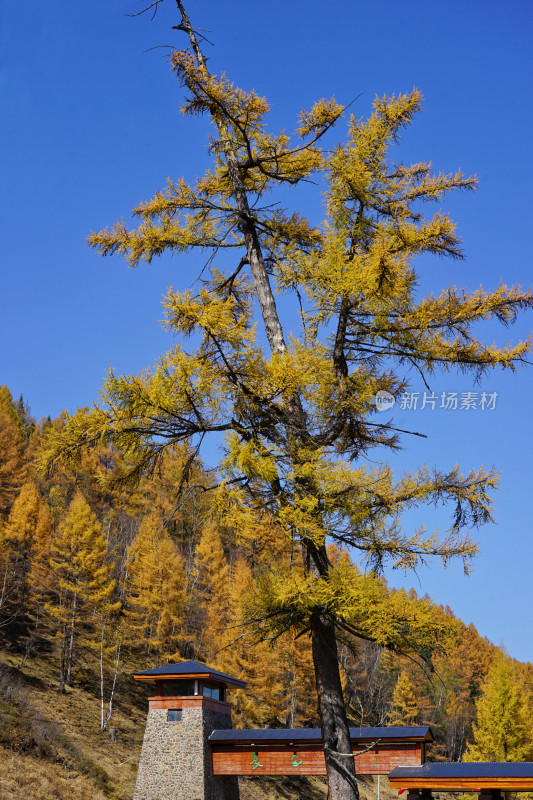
{"x":58,"y":735}
{"x":51,"y":747}
{"x":312,"y":788}
{"x":29,"y":777}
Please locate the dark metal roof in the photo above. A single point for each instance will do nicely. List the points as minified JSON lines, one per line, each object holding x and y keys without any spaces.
{"x":189,"y":668}
{"x":315,"y":734}
{"x":479,"y":769}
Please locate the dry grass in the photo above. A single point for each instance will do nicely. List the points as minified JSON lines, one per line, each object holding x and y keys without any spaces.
{"x":23,"y":777}
{"x":270,"y":788}
{"x":36,"y":720}
{"x":307,"y":788}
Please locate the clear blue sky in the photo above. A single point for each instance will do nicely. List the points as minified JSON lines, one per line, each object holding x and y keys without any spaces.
{"x":91,"y":125}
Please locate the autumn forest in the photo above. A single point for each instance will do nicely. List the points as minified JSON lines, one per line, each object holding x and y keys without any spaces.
{"x":102,"y":579}
{"x":121,"y":550}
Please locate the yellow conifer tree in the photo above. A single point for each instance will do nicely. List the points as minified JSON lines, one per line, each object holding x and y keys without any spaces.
{"x":260,"y":664}
{"x":214,"y":591}
{"x":501,"y":732}
{"x":28,"y":522}
{"x":13,"y":468}
{"x":82,"y":576}
{"x":154,"y":589}
{"x":404,"y":709}
{"x":299,"y":413}
{"x":40,"y":577}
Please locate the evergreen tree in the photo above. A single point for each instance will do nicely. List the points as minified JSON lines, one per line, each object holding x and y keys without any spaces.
{"x":263,"y":702}
{"x":82,"y":576}
{"x":463,"y":669}
{"x":26,"y":420}
{"x":501,"y":731}
{"x":40,"y":578}
{"x":296,"y":416}
{"x":298,"y":680}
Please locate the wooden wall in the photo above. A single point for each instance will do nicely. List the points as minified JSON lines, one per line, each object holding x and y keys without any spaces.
{"x":234,"y":759}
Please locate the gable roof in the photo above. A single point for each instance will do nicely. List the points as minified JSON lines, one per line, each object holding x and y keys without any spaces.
{"x":451,"y":770}
{"x":465,"y":776}
{"x":269,"y":735}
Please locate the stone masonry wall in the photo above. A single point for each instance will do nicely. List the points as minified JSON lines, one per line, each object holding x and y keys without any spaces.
{"x":217,"y":787}
{"x":175,"y":761}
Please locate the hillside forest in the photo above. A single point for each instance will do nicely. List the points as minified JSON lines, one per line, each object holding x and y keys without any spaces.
{"x":98,"y":579}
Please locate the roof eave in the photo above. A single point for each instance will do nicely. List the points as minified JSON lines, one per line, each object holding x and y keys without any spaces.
{"x":169,"y":676}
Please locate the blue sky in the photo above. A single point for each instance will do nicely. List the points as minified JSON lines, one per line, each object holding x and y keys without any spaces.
{"x":90,"y":125}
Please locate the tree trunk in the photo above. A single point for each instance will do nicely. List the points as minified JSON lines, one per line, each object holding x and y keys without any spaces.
{"x":113,"y":686}
{"x":4,"y":584}
{"x":71,"y":638}
{"x":102,"y":678}
{"x":31,"y":638}
{"x":335,"y":731}
{"x":340,"y":766}
{"x":265,"y":296}
{"x":62,"y":661}
{"x":116,"y":660}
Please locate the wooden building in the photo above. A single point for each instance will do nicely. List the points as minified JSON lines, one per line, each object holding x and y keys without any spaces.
{"x":191,"y":752}
{"x":488,"y":778}
{"x":301,"y":751}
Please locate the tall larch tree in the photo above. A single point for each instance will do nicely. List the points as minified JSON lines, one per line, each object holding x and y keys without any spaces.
{"x":28,"y":523}
{"x":13,"y":467}
{"x":41,"y":583}
{"x":298,"y":411}
{"x":404,"y":709}
{"x":462,"y":669}
{"x":298,"y":680}
{"x":154,"y":592}
{"x":501,"y":732}
{"x":83,"y":576}
{"x":263,"y":702}
{"x":214,"y":590}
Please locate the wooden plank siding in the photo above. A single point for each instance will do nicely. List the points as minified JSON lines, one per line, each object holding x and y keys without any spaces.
{"x":282,"y":759}
{"x":193,"y":701}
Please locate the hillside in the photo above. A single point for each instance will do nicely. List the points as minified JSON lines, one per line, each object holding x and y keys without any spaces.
{"x":51,"y":747}
{"x":53,"y":741}
{"x":101,"y":578}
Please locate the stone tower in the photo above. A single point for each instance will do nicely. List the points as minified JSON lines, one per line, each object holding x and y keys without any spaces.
{"x":188,"y":705}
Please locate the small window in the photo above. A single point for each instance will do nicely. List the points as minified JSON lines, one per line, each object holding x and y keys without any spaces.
{"x":177,"y":688}
{"x":174,"y":715}
{"x":210,"y":690}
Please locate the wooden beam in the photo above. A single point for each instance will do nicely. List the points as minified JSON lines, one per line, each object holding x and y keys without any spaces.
{"x":191,"y":701}
{"x":190,"y":676}
{"x":463,"y":784}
